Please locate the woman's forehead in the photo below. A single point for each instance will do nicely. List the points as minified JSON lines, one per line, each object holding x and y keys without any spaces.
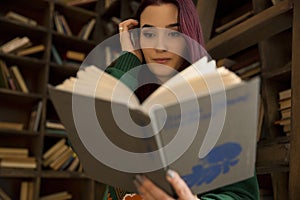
{"x":160,"y":16}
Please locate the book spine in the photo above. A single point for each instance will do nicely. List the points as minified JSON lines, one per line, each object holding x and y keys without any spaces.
{"x":18,"y":44}
{"x":4,"y":195}
{"x":89,"y":29}
{"x":56,"y":55}
{"x":20,"y":79}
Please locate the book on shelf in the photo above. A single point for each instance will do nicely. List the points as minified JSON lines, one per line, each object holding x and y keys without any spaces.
{"x":20,"y":18}
{"x":28,"y":191}
{"x":108,"y":3}
{"x":60,"y":156}
{"x":56,"y":131}
{"x":31,"y":190}
{"x":285,"y":109}
{"x":7,"y":76}
{"x":250,"y":71}
{"x":74,"y":165}
{"x":58,"y":24}
{"x":234,"y":22}
{"x":54,"y":148}
{"x":31,"y":50}
{"x":87,"y":29}
{"x":56,"y":55}
{"x":178,"y":99}
{"x":90,"y":26}
{"x":75,"y":55}
{"x":63,"y":157}
{"x":275,"y":2}
{"x":24,"y":190}
{"x":55,"y":155}
{"x":284,"y":104}
{"x":65,"y":25}
{"x":285,"y":94}
{"x":225,"y":62}
{"x":80,"y":2}
{"x":35,"y":117}
{"x":13,"y":152}
{"x":67,"y":162}
{"x":64,"y":195}
{"x":15,"y":44}
{"x":246,"y":60}
{"x":54,"y":124}
{"x":19,"y":162}
{"x":286,"y":113}
{"x":283,"y":122}
{"x":3,"y":78}
{"x":4,"y":195}
{"x":18,"y":126}
{"x":19,"y":78}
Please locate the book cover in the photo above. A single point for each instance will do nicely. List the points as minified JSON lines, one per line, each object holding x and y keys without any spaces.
{"x":31,"y":50}
{"x":210,"y":147}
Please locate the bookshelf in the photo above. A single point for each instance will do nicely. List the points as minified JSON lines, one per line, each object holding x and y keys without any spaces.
{"x":273,"y":30}
{"x":38,"y":70}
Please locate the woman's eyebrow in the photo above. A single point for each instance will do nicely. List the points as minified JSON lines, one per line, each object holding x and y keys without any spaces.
{"x":168,"y":26}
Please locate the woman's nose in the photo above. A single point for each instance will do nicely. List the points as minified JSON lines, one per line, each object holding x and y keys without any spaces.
{"x":161,"y":42}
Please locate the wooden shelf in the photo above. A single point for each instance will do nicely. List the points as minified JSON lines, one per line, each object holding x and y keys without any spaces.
{"x":263,"y":25}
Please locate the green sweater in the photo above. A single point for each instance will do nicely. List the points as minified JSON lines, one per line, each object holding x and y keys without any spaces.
{"x":244,"y":190}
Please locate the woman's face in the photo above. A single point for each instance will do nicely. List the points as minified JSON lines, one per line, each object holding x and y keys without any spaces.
{"x":160,"y":41}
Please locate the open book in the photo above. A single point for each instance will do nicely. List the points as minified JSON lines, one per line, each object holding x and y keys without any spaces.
{"x":202,"y":123}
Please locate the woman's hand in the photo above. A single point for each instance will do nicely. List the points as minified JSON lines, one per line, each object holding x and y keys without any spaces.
{"x":149,"y":191}
{"x":125,"y":39}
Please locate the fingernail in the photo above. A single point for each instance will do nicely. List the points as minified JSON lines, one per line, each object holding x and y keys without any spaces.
{"x":170,"y":173}
{"x":139,"y":178}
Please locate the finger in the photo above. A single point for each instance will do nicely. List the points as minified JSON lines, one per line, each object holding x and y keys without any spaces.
{"x":149,"y":190}
{"x":180,"y":187}
{"x":128,"y":24}
{"x":142,"y":192}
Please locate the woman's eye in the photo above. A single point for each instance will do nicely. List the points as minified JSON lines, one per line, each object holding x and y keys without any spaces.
{"x":148,"y":34}
{"x":174,"y":34}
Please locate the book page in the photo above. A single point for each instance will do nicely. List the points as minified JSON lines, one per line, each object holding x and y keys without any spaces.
{"x":93,"y":82}
{"x":197,"y":80}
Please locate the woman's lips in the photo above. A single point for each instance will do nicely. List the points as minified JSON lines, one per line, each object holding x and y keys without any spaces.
{"x":162,"y":60}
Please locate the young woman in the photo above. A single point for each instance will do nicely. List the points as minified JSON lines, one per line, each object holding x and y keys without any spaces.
{"x":164,"y":49}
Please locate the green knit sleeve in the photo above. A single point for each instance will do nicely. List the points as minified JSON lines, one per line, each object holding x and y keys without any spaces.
{"x":121,"y":69}
{"x":244,"y":190}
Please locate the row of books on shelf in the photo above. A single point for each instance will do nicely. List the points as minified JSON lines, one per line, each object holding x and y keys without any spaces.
{"x":62,"y":27}
{"x":71,"y":57}
{"x":32,"y":124}
{"x":27,"y":193}
{"x":245,"y":70}
{"x":12,"y":78}
{"x":61,"y":157}
{"x":285,"y":103}
{"x":17,"y":158}
{"x":21,"y":46}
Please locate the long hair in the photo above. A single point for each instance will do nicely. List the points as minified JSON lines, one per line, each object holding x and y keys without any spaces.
{"x":189,"y":25}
